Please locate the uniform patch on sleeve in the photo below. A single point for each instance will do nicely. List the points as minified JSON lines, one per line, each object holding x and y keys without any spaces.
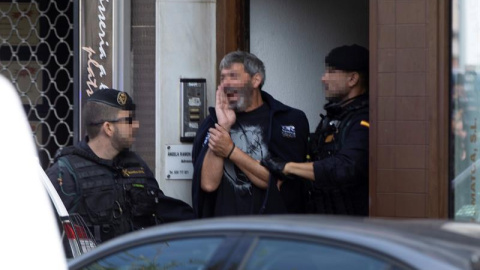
{"x":288,"y":132}
{"x":365,"y":123}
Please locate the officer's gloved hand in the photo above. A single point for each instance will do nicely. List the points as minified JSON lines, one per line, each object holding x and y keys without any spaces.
{"x":275,"y":165}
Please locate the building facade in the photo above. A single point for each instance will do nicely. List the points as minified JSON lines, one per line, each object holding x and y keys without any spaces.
{"x":423,"y":82}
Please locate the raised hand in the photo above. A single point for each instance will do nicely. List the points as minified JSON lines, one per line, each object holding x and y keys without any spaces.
{"x":225,"y":116}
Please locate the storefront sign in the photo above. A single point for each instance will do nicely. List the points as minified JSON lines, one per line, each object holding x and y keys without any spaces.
{"x":96,"y":47}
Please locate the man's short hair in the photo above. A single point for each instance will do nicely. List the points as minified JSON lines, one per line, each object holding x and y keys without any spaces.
{"x":102,"y":106}
{"x":251,"y":63}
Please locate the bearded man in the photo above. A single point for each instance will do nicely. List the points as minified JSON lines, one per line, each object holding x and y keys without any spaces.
{"x":246,"y":126}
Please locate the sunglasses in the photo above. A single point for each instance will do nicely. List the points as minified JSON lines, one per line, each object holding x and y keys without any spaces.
{"x":128,"y":120}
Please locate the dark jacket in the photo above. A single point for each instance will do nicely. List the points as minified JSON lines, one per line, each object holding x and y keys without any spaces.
{"x":340,"y":153}
{"x":291,"y":198}
{"x":112,"y":196}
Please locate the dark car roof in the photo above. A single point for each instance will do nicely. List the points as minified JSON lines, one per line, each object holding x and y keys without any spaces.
{"x":421,"y":243}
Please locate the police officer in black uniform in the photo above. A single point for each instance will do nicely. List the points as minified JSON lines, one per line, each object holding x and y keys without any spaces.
{"x":111,"y":187}
{"x":339,"y":147}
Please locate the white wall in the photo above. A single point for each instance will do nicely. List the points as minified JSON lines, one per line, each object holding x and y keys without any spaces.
{"x":292,"y":38}
{"x":185,"y":48}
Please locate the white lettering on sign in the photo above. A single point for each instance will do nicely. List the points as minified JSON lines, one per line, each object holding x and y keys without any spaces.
{"x":178,"y":162}
{"x":182,"y":154}
{"x":101,"y":26}
{"x":92,"y":81}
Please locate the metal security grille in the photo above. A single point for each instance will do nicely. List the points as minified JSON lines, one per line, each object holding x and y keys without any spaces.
{"x":37,"y":55}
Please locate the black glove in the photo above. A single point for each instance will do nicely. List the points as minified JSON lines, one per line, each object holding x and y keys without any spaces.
{"x":275,"y":166}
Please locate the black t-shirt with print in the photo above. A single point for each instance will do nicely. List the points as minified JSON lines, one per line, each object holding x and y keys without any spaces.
{"x":236,"y":194}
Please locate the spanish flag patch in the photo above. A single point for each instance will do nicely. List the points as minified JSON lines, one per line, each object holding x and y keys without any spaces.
{"x":365,"y":124}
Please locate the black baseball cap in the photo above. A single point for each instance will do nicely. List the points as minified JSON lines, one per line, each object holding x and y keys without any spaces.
{"x":114,"y":98}
{"x":348,"y":58}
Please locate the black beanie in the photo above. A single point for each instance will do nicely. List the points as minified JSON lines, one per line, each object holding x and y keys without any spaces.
{"x":113,"y":98}
{"x":348,"y":58}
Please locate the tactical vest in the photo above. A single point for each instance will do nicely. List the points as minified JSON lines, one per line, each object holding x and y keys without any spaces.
{"x":328,"y":139}
{"x":112,"y":199}
{"x":330,"y":133}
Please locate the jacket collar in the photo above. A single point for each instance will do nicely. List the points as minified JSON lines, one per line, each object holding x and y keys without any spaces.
{"x":338,"y":109}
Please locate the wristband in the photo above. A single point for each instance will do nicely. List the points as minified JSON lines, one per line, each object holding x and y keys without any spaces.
{"x":231,"y":151}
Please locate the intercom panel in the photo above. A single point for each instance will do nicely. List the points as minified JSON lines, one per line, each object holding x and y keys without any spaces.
{"x":193,"y":107}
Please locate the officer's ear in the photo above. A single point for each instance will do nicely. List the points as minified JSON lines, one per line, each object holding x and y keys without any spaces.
{"x":353,"y":79}
{"x":108,"y":128}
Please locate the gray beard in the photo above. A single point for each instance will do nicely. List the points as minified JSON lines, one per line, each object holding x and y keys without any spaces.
{"x":244,"y":100}
{"x":241,"y":105}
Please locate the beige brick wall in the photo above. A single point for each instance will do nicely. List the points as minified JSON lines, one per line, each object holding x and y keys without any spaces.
{"x":409,"y":111}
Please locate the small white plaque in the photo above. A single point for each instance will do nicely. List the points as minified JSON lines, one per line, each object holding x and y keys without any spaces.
{"x":178,"y":162}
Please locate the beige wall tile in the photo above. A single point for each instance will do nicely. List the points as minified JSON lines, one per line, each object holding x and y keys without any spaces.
{"x":386,"y":36}
{"x":386,"y":157}
{"x":385,"y":205}
{"x":386,"y":108}
{"x":386,"y":84}
{"x":410,"y":11}
{"x":410,"y":181}
{"x":410,"y":157}
{"x":410,"y":84}
{"x":386,"y":12}
{"x":386,"y":60}
{"x":409,"y":60}
{"x":410,"y":133}
{"x":386,"y":132}
{"x":410,"y":205}
{"x":385,"y":181}
{"x":410,"y":36}
{"x":410,"y":108}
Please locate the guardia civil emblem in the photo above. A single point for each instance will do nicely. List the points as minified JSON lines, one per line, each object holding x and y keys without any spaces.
{"x":122,"y":99}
